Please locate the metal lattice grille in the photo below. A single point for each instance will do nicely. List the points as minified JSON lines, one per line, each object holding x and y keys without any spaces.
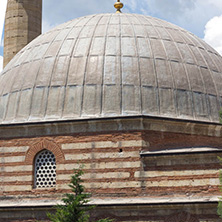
{"x":45,"y":170}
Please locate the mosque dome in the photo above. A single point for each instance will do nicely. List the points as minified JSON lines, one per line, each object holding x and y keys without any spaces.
{"x":112,"y":65}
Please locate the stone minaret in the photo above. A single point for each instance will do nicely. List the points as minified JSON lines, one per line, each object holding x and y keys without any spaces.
{"x":23,"y":23}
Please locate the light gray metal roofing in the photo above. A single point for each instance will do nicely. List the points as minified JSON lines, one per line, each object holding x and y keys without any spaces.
{"x":109,"y":65}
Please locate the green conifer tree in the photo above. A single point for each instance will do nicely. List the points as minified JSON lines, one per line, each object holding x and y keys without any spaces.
{"x":74,"y":207}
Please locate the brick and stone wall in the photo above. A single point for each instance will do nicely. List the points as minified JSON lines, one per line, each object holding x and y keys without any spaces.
{"x":109,"y":160}
{"x":147,"y":169}
{"x":113,"y":164}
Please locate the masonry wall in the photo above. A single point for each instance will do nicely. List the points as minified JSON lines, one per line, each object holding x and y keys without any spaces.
{"x":127,"y":213}
{"x":113,"y":165}
{"x":106,"y":157}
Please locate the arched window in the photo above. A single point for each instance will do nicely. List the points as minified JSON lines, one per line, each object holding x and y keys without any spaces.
{"x":45,"y":170}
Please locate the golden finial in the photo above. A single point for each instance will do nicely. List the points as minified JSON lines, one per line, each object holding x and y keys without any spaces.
{"x":118,"y":5}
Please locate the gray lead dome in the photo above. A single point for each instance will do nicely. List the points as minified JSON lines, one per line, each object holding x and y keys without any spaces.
{"x":112,"y":65}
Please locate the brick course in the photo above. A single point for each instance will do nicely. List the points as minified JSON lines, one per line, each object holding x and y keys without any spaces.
{"x":113,"y":166}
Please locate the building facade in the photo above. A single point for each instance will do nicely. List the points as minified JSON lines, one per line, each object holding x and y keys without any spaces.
{"x":134,"y":99}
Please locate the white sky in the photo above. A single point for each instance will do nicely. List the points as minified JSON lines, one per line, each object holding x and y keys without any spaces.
{"x":201,"y":17}
{"x":213,"y":33}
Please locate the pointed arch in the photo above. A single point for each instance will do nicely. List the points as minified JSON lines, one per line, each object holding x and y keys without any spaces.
{"x":44,"y":144}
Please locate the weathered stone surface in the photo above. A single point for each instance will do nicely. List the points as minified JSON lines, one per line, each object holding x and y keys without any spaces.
{"x":22,"y":24}
{"x":112,"y":65}
{"x":130,"y":212}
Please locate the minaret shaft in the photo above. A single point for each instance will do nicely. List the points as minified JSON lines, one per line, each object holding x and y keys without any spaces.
{"x":23,"y":23}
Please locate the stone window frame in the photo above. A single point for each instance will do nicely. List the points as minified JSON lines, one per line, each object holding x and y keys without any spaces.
{"x":43,"y":144}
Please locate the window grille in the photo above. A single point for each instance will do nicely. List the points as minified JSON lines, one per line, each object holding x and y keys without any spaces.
{"x":45,"y":170}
